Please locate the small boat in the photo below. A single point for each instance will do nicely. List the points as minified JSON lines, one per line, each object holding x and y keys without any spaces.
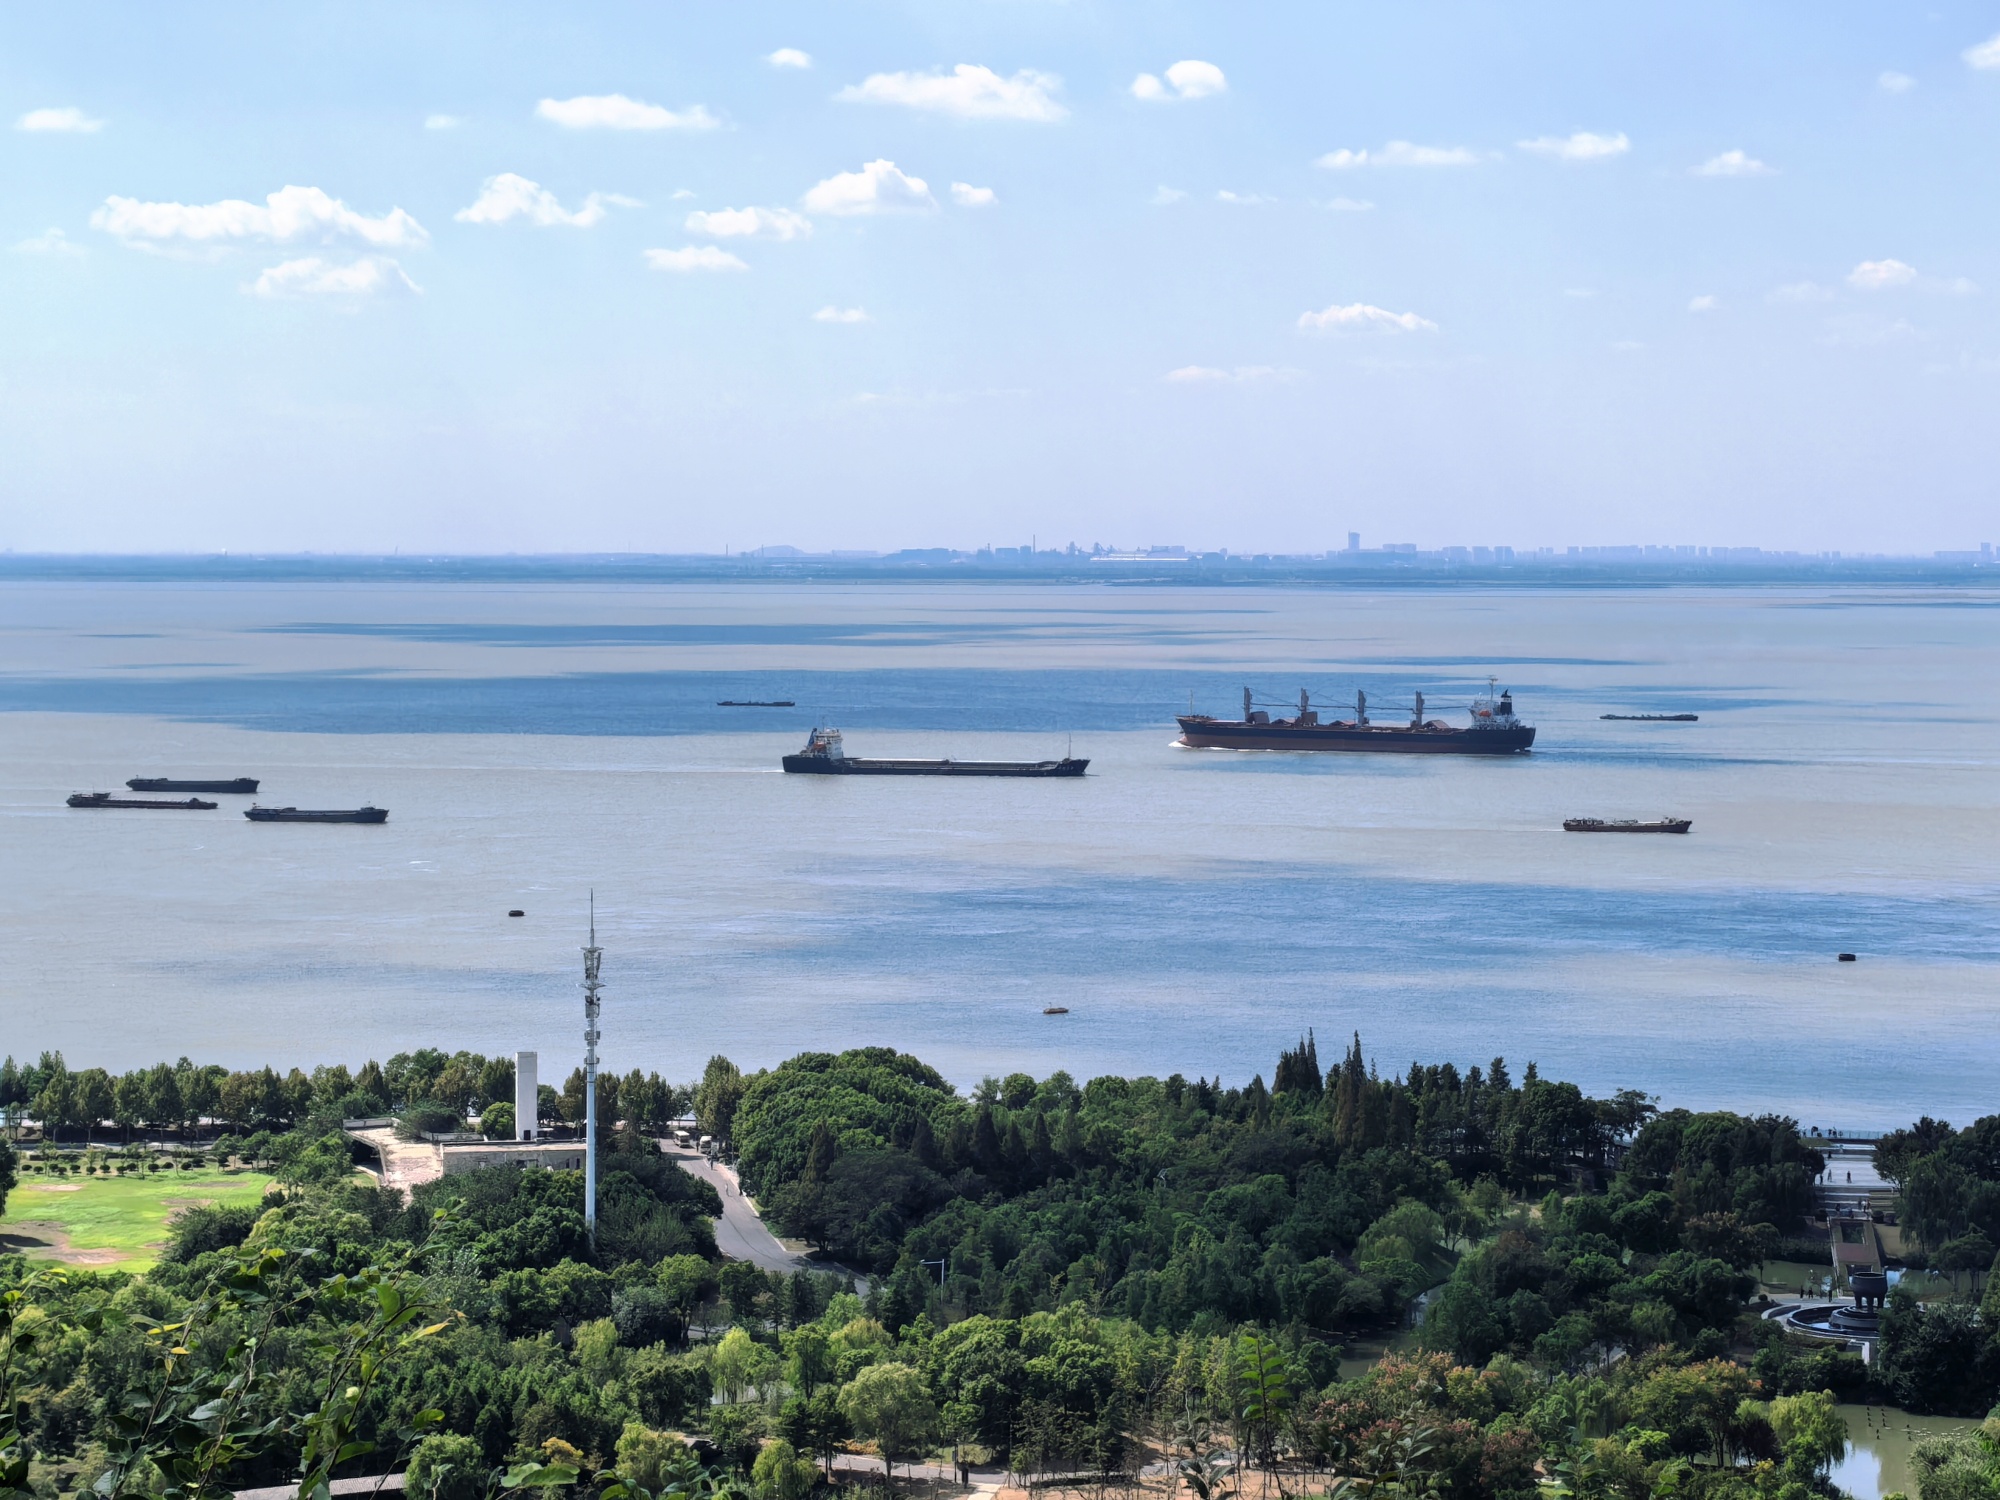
{"x":517,"y":912}
{"x":105,"y":799}
{"x":754,"y":703}
{"x":1626,"y":825}
{"x":1055,"y":1010}
{"x":236,"y":786}
{"x":824,"y":756}
{"x":316,"y":815}
{"x":1654,"y":718}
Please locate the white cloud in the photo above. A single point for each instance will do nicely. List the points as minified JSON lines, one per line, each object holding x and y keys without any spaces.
{"x":1224,"y":195}
{"x":749,"y":224}
{"x":67,"y":120}
{"x":965,"y":195}
{"x":512,"y":196}
{"x":694,"y":258}
{"x":314,"y":277}
{"x":788,"y":57}
{"x":1583,"y":146}
{"x":831,"y":314}
{"x":1358,"y":317}
{"x":1802,"y":291}
{"x":1350,"y":205}
{"x":1875,"y":275}
{"x":48,"y":242}
{"x":291,"y":213}
{"x":1185,"y":80}
{"x":878,"y":188}
{"x":1732,"y":164}
{"x":967,"y":91}
{"x":443,"y":122}
{"x":1163,"y":195}
{"x":1985,"y":55}
{"x":1704,"y":304}
{"x":1893,"y":82}
{"x":616,"y":112}
{"x":1398,"y":154}
{"x":1241,"y":375}
{"x":679,"y":193}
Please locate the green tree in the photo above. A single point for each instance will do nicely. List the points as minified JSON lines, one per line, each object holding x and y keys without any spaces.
{"x":1264,"y":1395}
{"x":715,"y":1101}
{"x":649,"y":1458}
{"x":739,"y":1364}
{"x":780,"y":1474}
{"x":890,"y":1404}
{"x":446,"y":1466}
{"x":1810,"y":1429}
{"x":496,"y":1121}
{"x":808,"y":1359}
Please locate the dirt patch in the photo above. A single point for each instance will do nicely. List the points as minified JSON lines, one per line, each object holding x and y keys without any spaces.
{"x":51,"y":1242}
{"x":53,"y":1187}
{"x":189,"y":1202}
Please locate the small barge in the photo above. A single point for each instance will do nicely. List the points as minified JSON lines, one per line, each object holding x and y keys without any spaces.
{"x":1654,"y":718}
{"x":1626,"y":825}
{"x":823,"y":756}
{"x":316,"y":815}
{"x":105,"y":799}
{"x":755,"y":703}
{"x":238,"y":786}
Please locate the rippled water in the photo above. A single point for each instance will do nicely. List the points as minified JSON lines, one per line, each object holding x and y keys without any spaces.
{"x":1194,"y":910}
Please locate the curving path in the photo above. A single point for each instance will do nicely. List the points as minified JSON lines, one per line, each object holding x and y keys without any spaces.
{"x":740,"y":1234}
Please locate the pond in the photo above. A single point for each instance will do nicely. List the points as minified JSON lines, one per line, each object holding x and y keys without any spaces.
{"x":1879,"y":1440}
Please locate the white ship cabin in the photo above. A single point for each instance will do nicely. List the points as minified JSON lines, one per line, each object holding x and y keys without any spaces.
{"x":824,"y":742}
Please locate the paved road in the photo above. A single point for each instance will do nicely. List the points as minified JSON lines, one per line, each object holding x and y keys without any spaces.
{"x":740,"y":1234}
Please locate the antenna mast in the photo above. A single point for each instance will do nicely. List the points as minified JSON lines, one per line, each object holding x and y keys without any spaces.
{"x":592,"y":956}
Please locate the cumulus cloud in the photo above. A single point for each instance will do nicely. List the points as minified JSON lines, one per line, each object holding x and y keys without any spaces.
{"x":1703,"y":304}
{"x":965,"y":195}
{"x":832,"y":314}
{"x":512,"y":196}
{"x":749,"y":224}
{"x":1185,"y":80}
{"x":1241,"y":375}
{"x":1398,"y":154}
{"x":1876,"y":275}
{"x":67,"y":120}
{"x":1732,"y":164}
{"x":616,"y":112}
{"x":1163,"y":195}
{"x":1893,"y":82}
{"x":1583,"y":146}
{"x":312,"y":276}
{"x":1802,"y":291}
{"x":1224,"y":195}
{"x":968,"y":92}
{"x":442,"y":122}
{"x":878,"y":188}
{"x":694,"y":258}
{"x":788,"y":57}
{"x":48,"y":242}
{"x":291,"y":213}
{"x":1986,"y":55}
{"x":1360,"y":317}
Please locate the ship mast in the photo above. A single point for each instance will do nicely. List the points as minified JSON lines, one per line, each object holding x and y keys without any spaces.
{"x":592,"y":957}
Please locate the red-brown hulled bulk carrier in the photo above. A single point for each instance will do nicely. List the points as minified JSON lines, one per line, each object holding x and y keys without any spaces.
{"x":1494,"y":730}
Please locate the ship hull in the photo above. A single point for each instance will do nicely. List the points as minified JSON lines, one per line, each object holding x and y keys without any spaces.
{"x":1225,"y":734}
{"x":1595,"y":825}
{"x":234,"y":786}
{"x":193,"y":804}
{"x":827,"y":765}
{"x":316,"y":815}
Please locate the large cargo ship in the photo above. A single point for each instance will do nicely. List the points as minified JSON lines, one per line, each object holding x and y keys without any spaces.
{"x":105,"y":799}
{"x":1494,"y":730}
{"x":824,"y":756}
{"x":235,"y":786}
{"x":316,"y":815}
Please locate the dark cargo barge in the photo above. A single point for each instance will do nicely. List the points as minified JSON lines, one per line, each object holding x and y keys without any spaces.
{"x":316,"y":815}
{"x":235,"y":786}
{"x":823,"y":756}
{"x":1494,"y":730}
{"x":105,"y":799}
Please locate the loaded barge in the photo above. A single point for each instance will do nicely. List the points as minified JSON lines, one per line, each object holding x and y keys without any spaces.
{"x":316,"y":815}
{"x":105,"y":799}
{"x":824,"y":756}
{"x":235,"y":786}
{"x":1494,"y":730}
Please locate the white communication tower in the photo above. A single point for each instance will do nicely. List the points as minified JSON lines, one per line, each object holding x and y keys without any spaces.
{"x":592,"y":957}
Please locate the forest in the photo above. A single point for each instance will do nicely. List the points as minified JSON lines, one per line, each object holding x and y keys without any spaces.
{"x":1438,"y":1282}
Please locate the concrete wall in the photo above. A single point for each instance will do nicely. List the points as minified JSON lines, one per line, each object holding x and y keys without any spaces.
{"x":557,"y":1156}
{"x":527,"y":1097}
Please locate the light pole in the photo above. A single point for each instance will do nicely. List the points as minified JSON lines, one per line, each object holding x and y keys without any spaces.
{"x":592,"y":957}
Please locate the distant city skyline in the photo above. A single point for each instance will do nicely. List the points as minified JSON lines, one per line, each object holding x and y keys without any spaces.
{"x":491,"y":278}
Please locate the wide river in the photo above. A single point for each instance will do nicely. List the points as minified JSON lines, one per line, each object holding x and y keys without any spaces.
{"x":1195,"y":911}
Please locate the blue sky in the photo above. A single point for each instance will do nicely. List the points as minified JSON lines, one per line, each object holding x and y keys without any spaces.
{"x":675,"y":277}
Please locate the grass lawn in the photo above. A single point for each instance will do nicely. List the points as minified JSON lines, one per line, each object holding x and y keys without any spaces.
{"x":112,"y":1223}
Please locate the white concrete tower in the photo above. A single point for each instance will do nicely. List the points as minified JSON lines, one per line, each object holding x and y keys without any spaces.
{"x":527,"y":1097}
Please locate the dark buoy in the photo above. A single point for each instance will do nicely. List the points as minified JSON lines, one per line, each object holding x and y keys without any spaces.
{"x":517,"y":912}
{"x":1846,"y":958}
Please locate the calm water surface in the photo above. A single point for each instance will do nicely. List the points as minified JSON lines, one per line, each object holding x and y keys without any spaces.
{"x":1196,"y":911}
